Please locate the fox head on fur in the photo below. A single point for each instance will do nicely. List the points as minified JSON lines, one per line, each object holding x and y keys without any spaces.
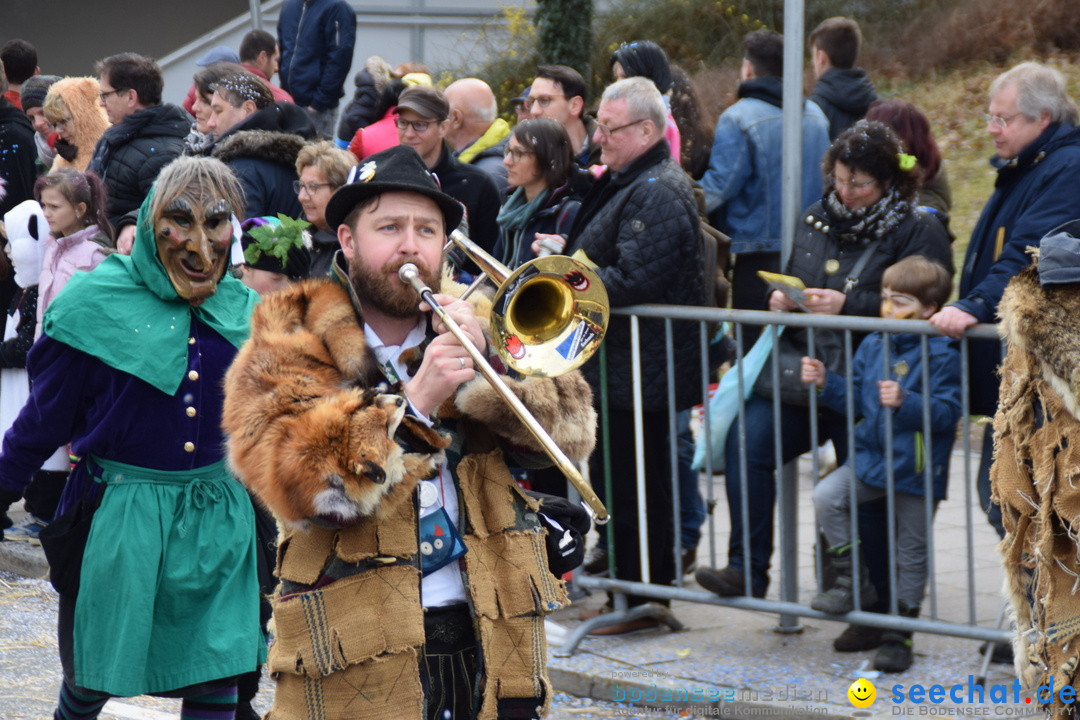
{"x":337,"y":478}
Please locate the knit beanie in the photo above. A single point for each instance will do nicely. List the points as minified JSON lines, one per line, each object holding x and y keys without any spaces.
{"x":35,"y":89}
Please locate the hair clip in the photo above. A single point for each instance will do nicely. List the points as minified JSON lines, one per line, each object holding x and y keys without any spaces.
{"x":905,"y":161}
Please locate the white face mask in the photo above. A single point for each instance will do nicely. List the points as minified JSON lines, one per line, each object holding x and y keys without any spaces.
{"x":26,"y":227}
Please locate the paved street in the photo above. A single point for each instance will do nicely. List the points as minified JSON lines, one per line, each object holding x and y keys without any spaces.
{"x":30,"y":670}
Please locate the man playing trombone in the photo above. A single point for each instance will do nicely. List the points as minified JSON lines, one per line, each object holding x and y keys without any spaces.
{"x":414,"y":574}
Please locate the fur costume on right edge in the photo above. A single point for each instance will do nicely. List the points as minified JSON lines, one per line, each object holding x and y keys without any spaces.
{"x":1036,"y":470}
{"x":325,"y":442}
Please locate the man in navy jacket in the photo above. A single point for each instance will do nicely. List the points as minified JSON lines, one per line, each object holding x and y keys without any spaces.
{"x":316,"y":38}
{"x":1033,"y":123}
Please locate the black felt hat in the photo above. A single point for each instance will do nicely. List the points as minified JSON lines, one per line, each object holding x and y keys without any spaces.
{"x":398,"y":169}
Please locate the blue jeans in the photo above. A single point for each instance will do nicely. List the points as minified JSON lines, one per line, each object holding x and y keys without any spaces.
{"x":794,"y":434}
{"x":691,"y":504}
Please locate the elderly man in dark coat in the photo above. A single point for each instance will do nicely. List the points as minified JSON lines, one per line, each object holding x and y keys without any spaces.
{"x":640,"y":225}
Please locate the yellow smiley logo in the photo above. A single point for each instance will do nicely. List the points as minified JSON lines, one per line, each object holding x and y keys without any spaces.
{"x":862,"y":693}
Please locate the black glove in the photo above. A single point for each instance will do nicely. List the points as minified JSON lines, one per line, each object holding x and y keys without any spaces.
{"x":567,"y":524}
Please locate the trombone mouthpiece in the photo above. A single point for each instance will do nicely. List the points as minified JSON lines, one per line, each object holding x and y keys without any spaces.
{"x":407,"y":272}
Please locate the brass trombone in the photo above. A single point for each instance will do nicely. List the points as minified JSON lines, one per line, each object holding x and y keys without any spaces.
{"x":552,"y":309}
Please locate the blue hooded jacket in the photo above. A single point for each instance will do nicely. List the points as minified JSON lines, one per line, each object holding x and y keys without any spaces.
{"x":316,"y":38}
{"x":908,"y":440}
{"x":1034,"y":193}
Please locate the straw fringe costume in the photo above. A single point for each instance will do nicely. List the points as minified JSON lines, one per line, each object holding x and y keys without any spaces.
{"x":307,"y":404}
{"x":1036,"y":476}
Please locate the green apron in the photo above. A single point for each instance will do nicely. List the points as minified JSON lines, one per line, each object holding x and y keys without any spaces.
{"x":169,"y":593}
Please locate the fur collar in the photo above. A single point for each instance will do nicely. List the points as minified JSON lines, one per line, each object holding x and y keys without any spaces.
{"x":1044,"y":323}
{"x":276,"y":147}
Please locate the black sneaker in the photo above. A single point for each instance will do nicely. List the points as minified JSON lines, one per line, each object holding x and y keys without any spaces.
{"x":727,"y":582}
{"x":894,"y":655}
{"x":857,"y":638}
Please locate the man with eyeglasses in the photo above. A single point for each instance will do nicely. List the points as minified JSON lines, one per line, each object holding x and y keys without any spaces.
{"x":422,"y":114}
{"x":1033,"y":123}
{"x":558,"y":92}
{"x":639,"y":225}
{"x":146,"y":135}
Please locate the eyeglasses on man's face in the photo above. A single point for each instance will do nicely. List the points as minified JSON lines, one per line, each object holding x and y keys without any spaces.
{"x":542,"y":100}
{"x":107,"y":93}
{"x":418,"y":126}
{"x":1000,"y":122}
{"x":608,"y":131}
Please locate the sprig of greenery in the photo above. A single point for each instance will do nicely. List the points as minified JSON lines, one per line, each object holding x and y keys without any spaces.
{"x":275,"y":239}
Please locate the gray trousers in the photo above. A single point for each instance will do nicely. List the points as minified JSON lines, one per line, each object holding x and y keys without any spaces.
{"x":832,"y":505}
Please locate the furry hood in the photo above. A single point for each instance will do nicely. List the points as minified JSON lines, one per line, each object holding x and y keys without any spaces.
{"x":80,"y":95}
{"x":1044,"y":322}
{"x":272,"y":146}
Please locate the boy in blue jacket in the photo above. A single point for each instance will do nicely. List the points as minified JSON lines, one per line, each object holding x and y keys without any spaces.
{"x":914,"y":288}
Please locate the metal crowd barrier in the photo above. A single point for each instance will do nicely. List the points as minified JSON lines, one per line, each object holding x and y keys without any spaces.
{"x":787,"y":606}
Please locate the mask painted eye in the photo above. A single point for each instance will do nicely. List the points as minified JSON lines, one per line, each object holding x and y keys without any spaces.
{"x":438,"y":543}
{"x":426,"y":549}
{"x":577,"y":280}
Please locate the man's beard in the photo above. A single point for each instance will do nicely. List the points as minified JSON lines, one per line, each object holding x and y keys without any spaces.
{"x":381,"y":290}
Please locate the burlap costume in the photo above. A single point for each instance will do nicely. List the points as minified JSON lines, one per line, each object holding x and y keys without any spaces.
{"x":348,"y":618}
{"x":1036,"y":476}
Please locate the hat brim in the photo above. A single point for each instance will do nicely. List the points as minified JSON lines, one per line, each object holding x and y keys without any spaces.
{"x":348,"y":196}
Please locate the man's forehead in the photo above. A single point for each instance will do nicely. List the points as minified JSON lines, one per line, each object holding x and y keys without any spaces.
{"x":399,"y":204}
{"x":1004,"y":95}
{"x":615,"y":107}
{"x":545,"y":86}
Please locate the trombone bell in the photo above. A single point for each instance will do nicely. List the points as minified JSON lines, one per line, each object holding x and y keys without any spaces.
{"x":549,"y":316}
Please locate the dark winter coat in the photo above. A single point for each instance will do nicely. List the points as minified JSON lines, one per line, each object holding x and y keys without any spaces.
{"x":262,"y":152}
{"x":908,"y":439}
{"x":919,"y":233}
{"x":641,"y":228}
{"x":324,"y":244}
{"x":17,"y":155}
{"x":1034,"y":193}
{"x":130,"y":154}
{"x":316,"y":39}
{"x":363,"y":109}
{"x":475,"y":189}
{"x":844,"y":96}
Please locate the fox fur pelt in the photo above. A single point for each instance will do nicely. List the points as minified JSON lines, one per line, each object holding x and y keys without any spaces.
{"x":312,"y":436}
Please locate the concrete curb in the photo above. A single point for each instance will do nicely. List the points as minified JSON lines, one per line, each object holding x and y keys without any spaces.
{"x":667,"y":695}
